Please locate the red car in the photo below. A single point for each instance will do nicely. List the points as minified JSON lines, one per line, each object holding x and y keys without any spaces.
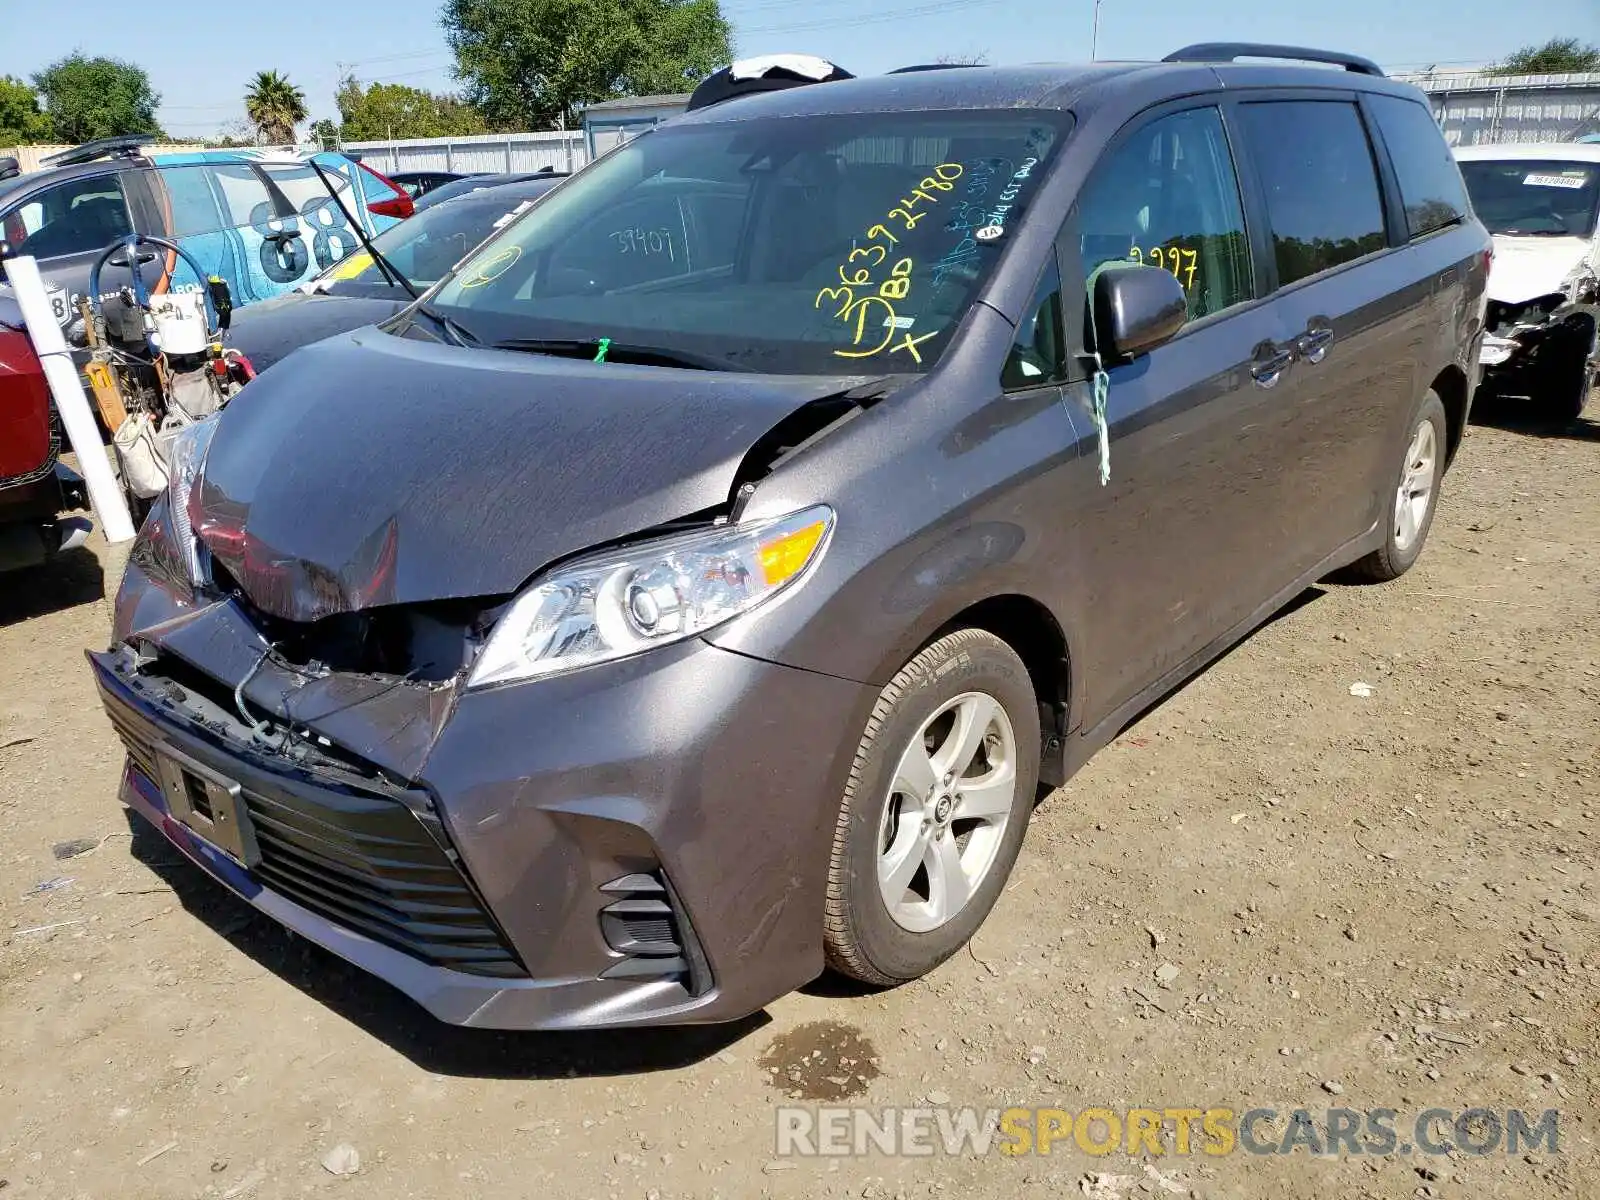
{"x":34,"y":487}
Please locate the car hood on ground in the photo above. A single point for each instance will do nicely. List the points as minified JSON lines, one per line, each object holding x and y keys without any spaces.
{"x":272,"y":329}
{"x":372,"y":469}
{"x":1526,"y":268}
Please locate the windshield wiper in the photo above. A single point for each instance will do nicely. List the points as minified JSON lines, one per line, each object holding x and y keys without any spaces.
{"x":627,"y":352}
{"x":390,"y":271}
{"x":454,"y":332}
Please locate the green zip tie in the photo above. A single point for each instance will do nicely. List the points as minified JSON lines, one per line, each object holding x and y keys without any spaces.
{"x":600,"y":354}
{"x":1102,"y":388}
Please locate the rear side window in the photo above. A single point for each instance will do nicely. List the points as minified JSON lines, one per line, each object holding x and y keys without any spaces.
{"x":1430,"y":182}
{"x":1321,"y":185}
{"x":245,"y":199}
{"x":74,"y":217}
{"x":1168,"y":197}
{"x":322,"y":218}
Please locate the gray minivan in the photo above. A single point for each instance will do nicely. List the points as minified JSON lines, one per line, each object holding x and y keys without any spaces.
{"x":693,"y":589}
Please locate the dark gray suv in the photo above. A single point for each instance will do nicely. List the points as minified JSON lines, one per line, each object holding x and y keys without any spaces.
{"x":693,"y":589}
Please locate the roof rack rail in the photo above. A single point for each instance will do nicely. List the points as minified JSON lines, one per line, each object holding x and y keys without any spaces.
{"x":125,"y":146}
{"x":1211,"y":52}
{"x":935,"y":66}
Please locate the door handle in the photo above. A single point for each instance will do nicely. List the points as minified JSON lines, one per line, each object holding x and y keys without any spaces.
{"x":1313,"y":344}
{"x":1268,"y":370}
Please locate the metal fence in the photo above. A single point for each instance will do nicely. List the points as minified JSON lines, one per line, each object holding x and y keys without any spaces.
{"x":489,"y":152}
{"x":1475,"y":109}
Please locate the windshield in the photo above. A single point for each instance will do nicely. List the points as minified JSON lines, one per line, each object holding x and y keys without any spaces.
{"x":426,"y":246}
{"x":832,"y":244}
{"x":1539,"y":198}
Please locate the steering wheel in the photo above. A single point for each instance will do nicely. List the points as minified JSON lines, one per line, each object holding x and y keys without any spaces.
{"x":132,"y":258}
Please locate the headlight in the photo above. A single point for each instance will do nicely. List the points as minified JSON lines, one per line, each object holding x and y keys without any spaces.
{"x":186,"y":455}
{"x":1496,"y":350}
{"x":620,"y":602}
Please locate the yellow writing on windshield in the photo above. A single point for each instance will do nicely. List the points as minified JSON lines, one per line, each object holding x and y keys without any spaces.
{"x":874,"y":278}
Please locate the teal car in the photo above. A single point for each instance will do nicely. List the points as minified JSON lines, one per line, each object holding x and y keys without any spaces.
{"x":265,"y":221}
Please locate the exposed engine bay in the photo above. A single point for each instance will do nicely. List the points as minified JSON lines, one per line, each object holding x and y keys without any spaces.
{"x":157,"y":363}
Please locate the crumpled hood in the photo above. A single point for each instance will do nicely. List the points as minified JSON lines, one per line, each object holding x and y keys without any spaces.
{"x":273,"y":329}
{"x":1526,"y":268}
{"x":372,"y":469}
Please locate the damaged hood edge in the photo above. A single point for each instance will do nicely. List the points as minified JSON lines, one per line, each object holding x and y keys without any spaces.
{"x":1528,"y":268}
{"x":371,"y":469}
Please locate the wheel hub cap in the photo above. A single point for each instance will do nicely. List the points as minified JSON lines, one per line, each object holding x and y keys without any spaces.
{"x":946,"y":811}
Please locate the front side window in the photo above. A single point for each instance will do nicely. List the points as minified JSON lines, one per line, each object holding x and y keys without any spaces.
{"x":74,"y":217}
{"x":1430,"y":182}
{"x":832,"y":244}
{"x":1168,"y":197}
{"x":1323,"y":201}
{"x":1535,"y":197}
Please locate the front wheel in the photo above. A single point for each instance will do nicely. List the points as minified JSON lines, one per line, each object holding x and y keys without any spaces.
{"x":934,"y":811}
{"x":1416,"y":489}
{"x":1567,"y":383}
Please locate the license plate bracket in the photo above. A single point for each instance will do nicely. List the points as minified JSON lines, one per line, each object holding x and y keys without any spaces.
{"x":209,"y":804}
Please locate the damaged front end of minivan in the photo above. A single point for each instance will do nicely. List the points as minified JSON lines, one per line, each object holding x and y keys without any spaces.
{"x":391,"y":693}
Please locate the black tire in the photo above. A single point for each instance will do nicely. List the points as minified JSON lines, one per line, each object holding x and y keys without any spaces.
{"x":1566,"y":384}
{"x":862,"y":939}
{"x":1393,"y":559}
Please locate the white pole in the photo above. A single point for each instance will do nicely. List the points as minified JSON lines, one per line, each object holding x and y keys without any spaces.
{"x":71,"y":401}
{"x":1094,"y":40}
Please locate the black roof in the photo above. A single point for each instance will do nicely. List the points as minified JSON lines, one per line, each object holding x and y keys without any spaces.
{"x":1047,"y":86}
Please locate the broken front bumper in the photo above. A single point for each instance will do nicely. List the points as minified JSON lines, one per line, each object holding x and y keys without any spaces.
{"x":637,"y":843}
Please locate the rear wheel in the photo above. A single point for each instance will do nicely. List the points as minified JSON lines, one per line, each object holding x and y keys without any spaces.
{"x":1411,"y":505}
{"x":934,"y":811}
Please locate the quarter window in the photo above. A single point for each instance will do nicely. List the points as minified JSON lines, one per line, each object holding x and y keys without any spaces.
{"x":1430,"y":181}
{"x":1321,"y":186}
{"x":1036,"y":354}
{"x":1168,"y":197}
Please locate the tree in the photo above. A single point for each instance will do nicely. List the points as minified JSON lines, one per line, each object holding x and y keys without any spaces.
{"x":1558,"y":56}
{"x":325,"y":133}
{"x":21,"y":120}
{"x":392,"y":110}
{"x":275,"y":105}
{"x":529,"y":64}
{"x":87,"y":98}
{"x":237,"y":132}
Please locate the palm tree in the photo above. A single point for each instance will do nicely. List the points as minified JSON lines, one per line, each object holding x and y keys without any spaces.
{"x":275,"y":106}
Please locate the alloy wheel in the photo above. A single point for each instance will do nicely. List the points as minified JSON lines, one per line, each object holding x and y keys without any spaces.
{"x":946,"y":811}
{"x":1417,"y":486}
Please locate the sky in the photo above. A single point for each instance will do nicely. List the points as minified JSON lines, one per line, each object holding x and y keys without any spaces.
{"x":200,"y":59}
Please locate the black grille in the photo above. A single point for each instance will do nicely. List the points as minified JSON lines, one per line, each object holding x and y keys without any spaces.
{"x":370,"y":863}
{"x":644,"y":924}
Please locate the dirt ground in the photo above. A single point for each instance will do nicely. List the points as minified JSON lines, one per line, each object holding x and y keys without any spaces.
{"x":1382,"y":901}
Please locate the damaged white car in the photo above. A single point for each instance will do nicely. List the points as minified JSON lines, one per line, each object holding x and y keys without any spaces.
{"x":1541,"y":203}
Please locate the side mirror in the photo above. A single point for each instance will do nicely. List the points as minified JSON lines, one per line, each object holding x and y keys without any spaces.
{"x":1136,"y":309}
